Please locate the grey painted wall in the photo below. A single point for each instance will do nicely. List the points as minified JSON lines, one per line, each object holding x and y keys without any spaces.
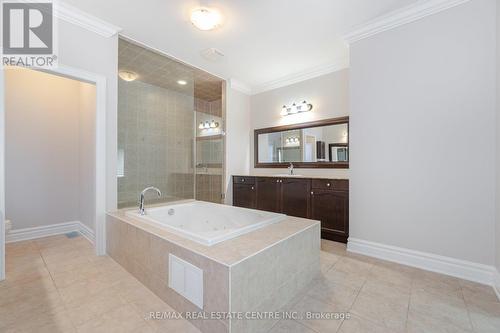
{"x":86,"y":50}
{"x":329,"y":95}
{"x":49,"y":152}
{"x":425,"y":94}
{"x":497,"y":219}
{"x":237,"y":152}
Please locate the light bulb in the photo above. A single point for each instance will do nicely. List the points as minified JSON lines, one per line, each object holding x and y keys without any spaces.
{"x":127,"y":75}
{"x":201,"y":126}
{"x":212,"y":124}
{"x":207,"y":124}
{"x":294,"y":109}
{"x":205,"y":19}
{"x":303,"y":106}
{"x":284,"y":111}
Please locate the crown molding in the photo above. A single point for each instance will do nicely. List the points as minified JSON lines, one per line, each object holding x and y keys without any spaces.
{"x":82,"y":19}
{"x":400,"y":17}
{"x":342,"y":63}
{"x":240,"y":86}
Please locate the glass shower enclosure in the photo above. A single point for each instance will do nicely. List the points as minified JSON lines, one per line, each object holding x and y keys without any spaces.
{"x":170,"y":128}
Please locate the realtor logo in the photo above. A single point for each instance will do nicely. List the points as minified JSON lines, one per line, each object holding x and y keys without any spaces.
{"x":28,"y":34}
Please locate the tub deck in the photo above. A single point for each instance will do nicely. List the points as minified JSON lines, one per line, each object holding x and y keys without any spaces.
{"x":258,"y":271}
{"x":233,"y":250}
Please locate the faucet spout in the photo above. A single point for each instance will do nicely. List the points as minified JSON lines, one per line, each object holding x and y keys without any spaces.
{"x":290,"y":169}
{"x":141,"y":198}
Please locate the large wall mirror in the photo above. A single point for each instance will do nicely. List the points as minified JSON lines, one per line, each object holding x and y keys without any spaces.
{"x":317,"y":144}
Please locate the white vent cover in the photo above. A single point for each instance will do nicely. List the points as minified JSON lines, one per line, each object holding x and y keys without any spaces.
{"x":212,"y":54}
{"x":186,"y":279}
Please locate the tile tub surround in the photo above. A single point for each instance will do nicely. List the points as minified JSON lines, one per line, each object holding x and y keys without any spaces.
{"x":259,"y":271}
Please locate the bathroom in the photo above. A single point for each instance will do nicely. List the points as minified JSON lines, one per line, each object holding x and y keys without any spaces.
{"x":240,"y":166}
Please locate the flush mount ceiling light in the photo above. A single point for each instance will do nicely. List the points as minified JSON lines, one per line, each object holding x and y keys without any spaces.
{"x":296,"y":108}
{"x":182,"y":82}
{"x":127,"y":75}
{"x":205,"y":19}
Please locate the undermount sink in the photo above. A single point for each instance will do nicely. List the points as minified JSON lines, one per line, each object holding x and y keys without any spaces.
{"x":287,"y":175}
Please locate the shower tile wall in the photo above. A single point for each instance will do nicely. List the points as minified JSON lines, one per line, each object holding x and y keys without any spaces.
{"x":155,"y":135}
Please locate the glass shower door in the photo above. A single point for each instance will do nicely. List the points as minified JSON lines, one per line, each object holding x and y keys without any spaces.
{"x":209,"y":167}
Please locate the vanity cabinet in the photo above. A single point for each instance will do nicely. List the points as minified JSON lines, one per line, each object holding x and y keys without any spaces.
{"x":244,"y":194}
{"x":326,"y":200}
{"x":295,"y":197}
{"x":268,"y":194}
{"x":331,"y":207}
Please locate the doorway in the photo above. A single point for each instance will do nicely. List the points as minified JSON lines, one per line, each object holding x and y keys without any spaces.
{"x":52,"y":160}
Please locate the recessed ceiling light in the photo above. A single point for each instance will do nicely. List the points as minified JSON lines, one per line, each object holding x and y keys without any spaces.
{"x":182,"y":82}
{"x":205,"y":19}
{"x":127,"y":75}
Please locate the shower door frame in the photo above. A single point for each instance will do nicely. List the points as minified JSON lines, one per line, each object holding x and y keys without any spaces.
{"x":100,"y":155}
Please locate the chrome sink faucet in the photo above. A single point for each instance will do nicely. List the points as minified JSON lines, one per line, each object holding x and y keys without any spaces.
{"x":141,"y":198}
{"x":290,"y":169}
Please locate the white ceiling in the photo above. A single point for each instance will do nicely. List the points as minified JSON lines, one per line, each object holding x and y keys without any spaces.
{"x":263,"y":40}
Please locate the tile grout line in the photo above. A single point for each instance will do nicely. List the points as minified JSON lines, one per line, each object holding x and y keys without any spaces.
{"x":409,"y":302}
{"x":467,"y":308}
{"x":355,"y":298}
{"x":54,"y":283}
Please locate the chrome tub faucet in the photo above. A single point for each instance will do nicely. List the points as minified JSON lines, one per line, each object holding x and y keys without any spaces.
{"x":141,"y":198}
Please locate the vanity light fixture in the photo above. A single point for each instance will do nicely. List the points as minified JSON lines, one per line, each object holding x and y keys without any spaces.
{"x":127,"y":75}
{"x":208,"y":125}
{"x":205,"y":19}
{"x":296,"y":108}
{"x":182,"y":82}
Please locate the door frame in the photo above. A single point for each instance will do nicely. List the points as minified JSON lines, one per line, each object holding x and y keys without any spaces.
{"x":100,"y":155}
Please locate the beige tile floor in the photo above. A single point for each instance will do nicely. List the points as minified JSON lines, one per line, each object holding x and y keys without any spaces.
{"x":57,"y":284}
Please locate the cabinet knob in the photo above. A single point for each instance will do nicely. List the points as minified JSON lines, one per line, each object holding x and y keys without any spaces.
{"x":327,"y":184}
{"x":277,"y":180}
{"x":243,"y":180}
{"x":252,"y":187}
{"x":312,"y":193}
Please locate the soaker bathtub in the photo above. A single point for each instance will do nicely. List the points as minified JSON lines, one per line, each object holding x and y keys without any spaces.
{"x":206,"y":223}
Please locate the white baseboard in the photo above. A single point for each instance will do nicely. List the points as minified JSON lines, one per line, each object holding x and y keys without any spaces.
{"x":431,"y":262}
{"x":496,"y":284}
{"x":87,"y":232}
{"x":18,"y":235}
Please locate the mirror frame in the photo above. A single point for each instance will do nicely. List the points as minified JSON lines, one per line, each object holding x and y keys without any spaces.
{"x":303,"y":165}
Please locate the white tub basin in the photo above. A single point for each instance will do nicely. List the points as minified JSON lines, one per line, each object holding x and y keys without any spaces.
{"x":206,"y":223}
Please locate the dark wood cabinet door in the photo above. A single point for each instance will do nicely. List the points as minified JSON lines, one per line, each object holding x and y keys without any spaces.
{"x":268,"y":194}
{"x":244,"y":195}
{"x":296,"y":197}
{"x":332,"y":209}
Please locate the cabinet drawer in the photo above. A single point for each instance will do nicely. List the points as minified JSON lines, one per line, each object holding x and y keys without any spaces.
{"x":243,"y":180}
{"x":330,"y":184}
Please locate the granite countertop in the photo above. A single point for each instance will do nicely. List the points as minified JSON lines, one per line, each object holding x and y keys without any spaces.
{"x":234,"y":250}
